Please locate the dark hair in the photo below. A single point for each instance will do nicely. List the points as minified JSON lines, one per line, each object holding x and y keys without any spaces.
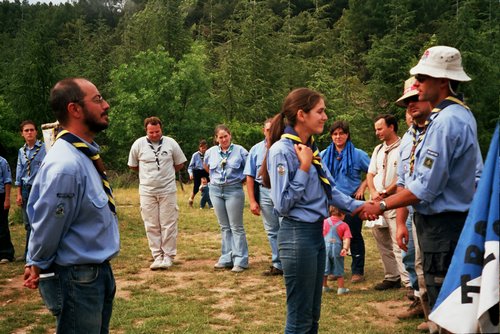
{"x":344,"y":125}
{"x":153,"y":120}
{"x":218,"y":128}
{"x":26,"y":122}
{"x":334,"y":211}
{"x":298,"y":99}
{"x":63,"y":93}
{"x":389,"y":120}
{"x":202,"y":142}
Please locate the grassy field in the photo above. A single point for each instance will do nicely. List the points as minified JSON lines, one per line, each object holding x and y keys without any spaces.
{"x":191,"y":297}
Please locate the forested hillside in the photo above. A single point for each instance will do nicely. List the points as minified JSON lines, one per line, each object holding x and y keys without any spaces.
{"x":197,"y":63}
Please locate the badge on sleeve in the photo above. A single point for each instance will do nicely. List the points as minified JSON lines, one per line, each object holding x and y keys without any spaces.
{"x":60,"y":210}
{"x":281,"y":169}
{"x":428,"y":162}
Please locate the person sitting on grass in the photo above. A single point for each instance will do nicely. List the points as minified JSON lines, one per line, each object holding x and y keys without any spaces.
{"x":337,"y":241}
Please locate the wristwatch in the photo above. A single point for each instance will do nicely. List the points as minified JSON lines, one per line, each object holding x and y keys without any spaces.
{"x":383,"y":206}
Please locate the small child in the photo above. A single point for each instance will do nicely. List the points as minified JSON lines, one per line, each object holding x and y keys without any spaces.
{"x":205,"y":194}
{"x":337,"y":241}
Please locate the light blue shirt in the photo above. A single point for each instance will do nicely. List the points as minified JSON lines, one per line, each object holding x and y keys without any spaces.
{"x":71,"y":222}
{"x":404,"y":158}
{"x":5,"y":174}
{"x":254,"y":161}
{"x":233,"y":169}
{"x":22,"y":177}
{"x":195,"y":163}
{"x":349,"y":183}
{"x":446,"y":163}
{"x":299,"y":195}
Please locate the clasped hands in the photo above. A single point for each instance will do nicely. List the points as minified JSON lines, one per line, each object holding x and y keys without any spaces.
{"x":370,"y":210}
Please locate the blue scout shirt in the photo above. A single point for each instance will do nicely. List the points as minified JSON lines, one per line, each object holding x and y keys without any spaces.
{"x":195,"y":163}
{"x":5,"y":175}
{"x":68,"y":209}
{"x":232,"y":172}
{"x":350,"y":182}
{"x":446,"y":163}
{"x":254,"y":161}
{"x":24,"y":154}
{"x":404,"y":158}
{"x":299,"y":195}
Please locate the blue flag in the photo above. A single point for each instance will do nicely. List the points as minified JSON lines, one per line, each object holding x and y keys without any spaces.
{"x":469,"y":299}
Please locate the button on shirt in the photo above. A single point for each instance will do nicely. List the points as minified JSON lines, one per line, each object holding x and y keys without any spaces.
{"x":233,"y":168}
{"x":68,"y":209}
{"x":25,"y":154}
{"x":5,"y":175}
{"x":254,"y":161}
{"x":384,"y":165}
{"x":156,"y":177}
{"x":195,"y":163}
{"x":446,"y":163}
{"x":299,"y":195}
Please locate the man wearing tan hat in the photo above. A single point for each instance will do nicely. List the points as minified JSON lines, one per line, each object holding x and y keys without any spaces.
{"x":406,"y":235}
{"x":440,"y":183}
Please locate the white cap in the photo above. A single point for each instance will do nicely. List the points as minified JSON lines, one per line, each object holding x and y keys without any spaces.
{"x":408,"y":91}
{"x":441,"y":62}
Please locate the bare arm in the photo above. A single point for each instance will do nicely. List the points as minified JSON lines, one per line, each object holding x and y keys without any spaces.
{"x":374,"y":194}
{"x":178,"y":167}
{"x":254,"y":206}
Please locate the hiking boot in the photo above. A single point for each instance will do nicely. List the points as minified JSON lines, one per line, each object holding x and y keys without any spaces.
{"x":386,"y":285}
{"x":414,"y":311}
{"x":357,"y":278}
{"x":273,"y":271}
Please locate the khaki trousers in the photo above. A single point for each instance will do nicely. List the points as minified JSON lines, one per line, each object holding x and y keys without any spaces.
{"x":160,"y":214}
{"x":390,"y":253}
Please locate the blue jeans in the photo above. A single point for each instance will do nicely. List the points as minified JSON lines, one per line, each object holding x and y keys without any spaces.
{"x":302,"y":253}
{"x":80,"y":297}
{"x":271,"y":224}
{"x":228,"y":201}
{"x":25,"y":196}
{"x":409,"y":256}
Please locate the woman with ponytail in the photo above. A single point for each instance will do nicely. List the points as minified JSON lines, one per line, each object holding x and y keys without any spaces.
{"x":301,"y":190}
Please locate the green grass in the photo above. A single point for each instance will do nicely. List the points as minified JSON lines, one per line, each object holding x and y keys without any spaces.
{"x":191,"y":297}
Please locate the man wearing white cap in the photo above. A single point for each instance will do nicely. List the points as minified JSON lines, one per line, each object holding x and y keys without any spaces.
{"x":441,"y":178}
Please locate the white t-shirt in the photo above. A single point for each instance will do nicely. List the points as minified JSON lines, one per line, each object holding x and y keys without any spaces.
{"x":156,"y":177}
{"x":378,"y":165}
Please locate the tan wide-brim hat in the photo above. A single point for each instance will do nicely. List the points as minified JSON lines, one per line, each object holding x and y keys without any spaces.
{"x":409,"y":91}
{"x":441,"y":62}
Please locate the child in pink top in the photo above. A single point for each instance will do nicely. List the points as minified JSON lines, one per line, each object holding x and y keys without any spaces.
{"x":337,"y":241}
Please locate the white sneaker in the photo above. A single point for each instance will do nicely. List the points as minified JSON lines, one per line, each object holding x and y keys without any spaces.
{"x":157,"y":263}
{"x":341,"y":291}
{"x":237,"y":269}
{"x":166,"y":263}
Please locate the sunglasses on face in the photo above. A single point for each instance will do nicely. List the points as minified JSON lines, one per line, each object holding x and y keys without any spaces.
{"x":421,"y":77}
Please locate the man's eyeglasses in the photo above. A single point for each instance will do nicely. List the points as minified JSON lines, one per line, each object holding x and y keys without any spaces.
{"x":421,"y":77}
{"x":98,"y":99}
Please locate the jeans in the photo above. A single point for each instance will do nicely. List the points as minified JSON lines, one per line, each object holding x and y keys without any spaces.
{"x":80,"y":297}
{"x":302,"y":254}
{"x":271,"y":224}
{"x":6,"y":247}
{"x":409,"y":256}
{"x":25,"y":193}
{"x":228,"y":202}
{"x":357,"y":245}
